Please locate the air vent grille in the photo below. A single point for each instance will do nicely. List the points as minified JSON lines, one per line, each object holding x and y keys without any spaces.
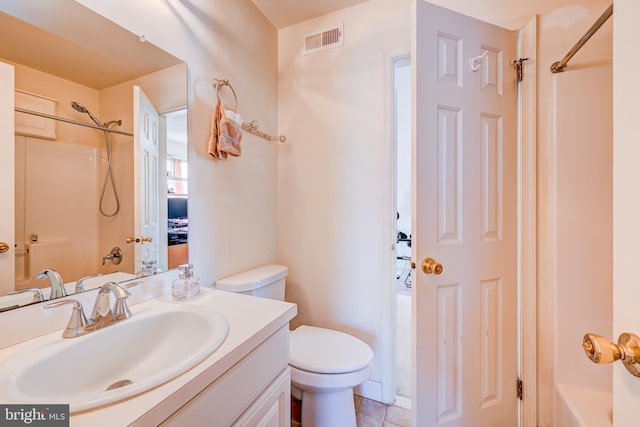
{"x":324,"y":40}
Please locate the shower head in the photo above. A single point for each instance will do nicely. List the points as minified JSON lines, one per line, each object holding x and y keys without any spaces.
{"x":82,"y":109}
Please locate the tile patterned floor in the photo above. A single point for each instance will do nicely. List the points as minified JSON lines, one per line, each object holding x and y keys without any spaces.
{"x":369,"y":413}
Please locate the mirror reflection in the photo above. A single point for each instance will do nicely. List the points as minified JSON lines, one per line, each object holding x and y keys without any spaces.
{"x":101,"y":175}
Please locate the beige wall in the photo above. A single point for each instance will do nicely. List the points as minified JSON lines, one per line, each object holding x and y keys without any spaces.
{"x":334,"y":106}
{"x":232,"y":208}
{"x":334,"y":194}
{"x":331,"y":208}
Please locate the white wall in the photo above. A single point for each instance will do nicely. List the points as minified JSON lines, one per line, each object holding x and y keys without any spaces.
{"x":232,"y":211}
{"x":402,"y":93}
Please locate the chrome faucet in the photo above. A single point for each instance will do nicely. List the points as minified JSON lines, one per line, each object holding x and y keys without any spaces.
{"x":78,"y":324}
{"x":80,"y":282}
{"x":57,"y":285}
{"x":102,"y":314}
{"x":115,"y":256}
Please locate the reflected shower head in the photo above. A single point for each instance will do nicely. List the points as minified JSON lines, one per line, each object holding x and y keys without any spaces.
{"x":82,"y":109}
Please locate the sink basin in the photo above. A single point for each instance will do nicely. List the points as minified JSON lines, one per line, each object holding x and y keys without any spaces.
{"x":155,"y":345}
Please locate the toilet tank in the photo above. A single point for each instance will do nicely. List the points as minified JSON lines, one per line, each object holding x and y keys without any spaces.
{"x":266,"y":281}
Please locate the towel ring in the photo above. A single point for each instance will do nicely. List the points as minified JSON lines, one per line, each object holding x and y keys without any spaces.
{"x":218,"y":84}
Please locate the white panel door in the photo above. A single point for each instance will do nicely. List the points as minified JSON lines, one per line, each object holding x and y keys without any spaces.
{"x":626,"y":203}
{"x":147,"y":173}
{"x":7,"y":177}
{"x":465,"y":176}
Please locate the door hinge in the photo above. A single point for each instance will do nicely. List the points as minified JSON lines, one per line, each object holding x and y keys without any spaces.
{"x":519,"y":67}
{"x":519,"y":389}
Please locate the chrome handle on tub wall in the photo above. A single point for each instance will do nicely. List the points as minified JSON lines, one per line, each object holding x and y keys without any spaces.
{"x":601,"y":350}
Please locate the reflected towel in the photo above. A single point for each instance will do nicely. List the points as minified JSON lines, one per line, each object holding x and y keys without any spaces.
{"x":226,"y":132}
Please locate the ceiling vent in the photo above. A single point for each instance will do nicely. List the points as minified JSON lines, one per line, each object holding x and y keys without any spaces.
{"x":323,"y":40}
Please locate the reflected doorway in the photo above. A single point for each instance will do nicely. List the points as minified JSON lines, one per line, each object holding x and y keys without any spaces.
{"x":402,"y":197}
{"x":177,"y":189}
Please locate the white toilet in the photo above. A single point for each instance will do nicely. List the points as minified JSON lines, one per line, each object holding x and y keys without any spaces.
{"x":325,"y":364}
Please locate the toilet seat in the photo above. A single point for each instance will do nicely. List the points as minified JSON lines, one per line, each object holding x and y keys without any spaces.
{"x":325,"y":351}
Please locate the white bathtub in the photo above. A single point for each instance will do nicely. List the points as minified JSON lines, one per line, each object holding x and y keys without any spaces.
{"x":581,"y":407}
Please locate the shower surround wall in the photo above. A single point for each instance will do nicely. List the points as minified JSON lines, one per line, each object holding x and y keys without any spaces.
{"x":584,"y":226}
{"x":54,"y":174}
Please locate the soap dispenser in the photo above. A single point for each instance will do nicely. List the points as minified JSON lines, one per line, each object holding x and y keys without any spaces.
{"x":186,"y":285}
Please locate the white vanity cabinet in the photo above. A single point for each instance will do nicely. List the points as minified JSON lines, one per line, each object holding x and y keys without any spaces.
{"x":254,"y":392}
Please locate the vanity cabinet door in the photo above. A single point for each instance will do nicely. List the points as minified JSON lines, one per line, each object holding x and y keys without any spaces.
{"x":273,"y":407}
{"x":250,"y":386}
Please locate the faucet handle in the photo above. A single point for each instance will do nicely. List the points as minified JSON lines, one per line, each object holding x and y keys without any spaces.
{"x":121,"y":309}
{"x":37,"y":293}
{"x":80,"y":282}
{"x":77,"y":322}
{"x":132,"y":284}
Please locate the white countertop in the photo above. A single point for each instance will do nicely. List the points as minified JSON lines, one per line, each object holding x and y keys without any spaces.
{"x":251,"y":321}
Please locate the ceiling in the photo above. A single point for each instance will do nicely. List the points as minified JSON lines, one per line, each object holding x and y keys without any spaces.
{"x":73,"y":42}
{"x":283,"y":13}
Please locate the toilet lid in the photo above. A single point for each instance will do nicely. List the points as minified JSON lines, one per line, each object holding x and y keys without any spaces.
{"x":325,"y":351}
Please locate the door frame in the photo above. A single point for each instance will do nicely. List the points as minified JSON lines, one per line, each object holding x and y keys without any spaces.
{"x":527,"y":220}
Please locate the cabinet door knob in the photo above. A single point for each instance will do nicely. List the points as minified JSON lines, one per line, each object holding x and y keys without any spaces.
{"x":4,"y":247}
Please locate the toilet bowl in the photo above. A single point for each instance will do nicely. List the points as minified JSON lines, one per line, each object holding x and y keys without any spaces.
{"x":325,"y":367}
{"x":325,"y":364}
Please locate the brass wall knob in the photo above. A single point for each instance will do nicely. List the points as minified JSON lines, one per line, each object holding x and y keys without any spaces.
{"x":430,"y":266}
{"x":4,"y":247}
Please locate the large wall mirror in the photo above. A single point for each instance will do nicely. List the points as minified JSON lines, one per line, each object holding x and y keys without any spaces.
{"x":103,"y":189}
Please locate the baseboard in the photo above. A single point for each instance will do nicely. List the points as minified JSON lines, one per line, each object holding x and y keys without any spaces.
{"x":403,"y":402}
{"x":371,"y":390}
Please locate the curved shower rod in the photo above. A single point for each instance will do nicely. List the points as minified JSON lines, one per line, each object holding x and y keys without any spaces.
{"x":561,"y":66}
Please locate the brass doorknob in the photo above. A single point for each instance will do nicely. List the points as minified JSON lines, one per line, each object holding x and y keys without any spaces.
{"x":138,"y":240}
{"x":601,"y":350}
{"x":4,"y":247}
{"x":430,"y":266}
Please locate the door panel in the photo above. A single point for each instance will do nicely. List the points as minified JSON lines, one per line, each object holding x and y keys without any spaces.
{"x":7,"y":177}
{"x":464,"y":151}
{"x":147,"y":173}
